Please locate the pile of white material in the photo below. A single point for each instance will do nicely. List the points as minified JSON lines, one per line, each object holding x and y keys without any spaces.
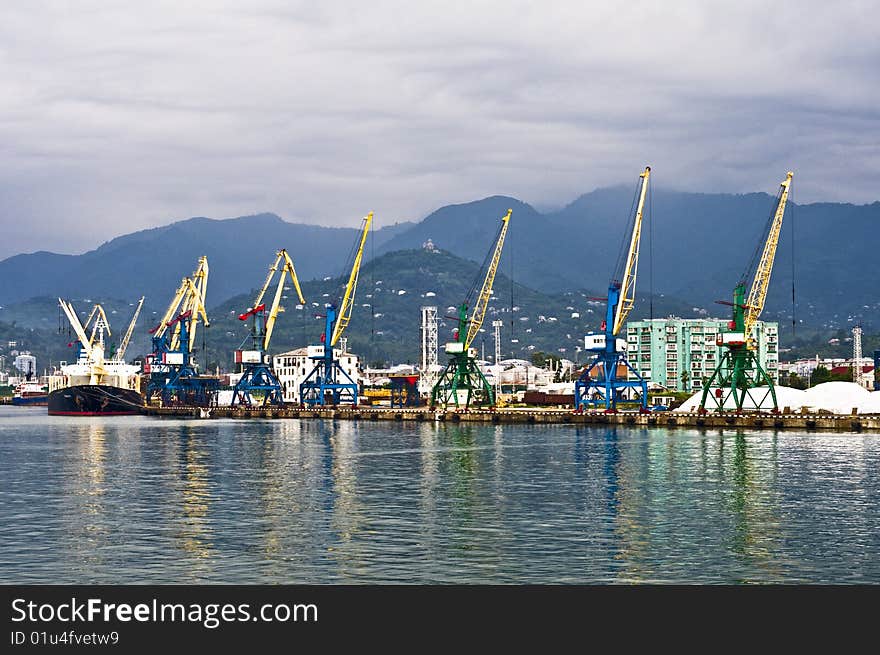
{"x":835,"y":397}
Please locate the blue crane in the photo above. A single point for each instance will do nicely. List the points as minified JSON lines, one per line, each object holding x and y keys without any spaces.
{"x":328,"y":382}
{"x":608,"y":379}
{"x":174,"y":377}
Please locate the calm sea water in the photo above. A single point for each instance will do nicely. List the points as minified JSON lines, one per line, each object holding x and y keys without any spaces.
{"x":137,"y":499}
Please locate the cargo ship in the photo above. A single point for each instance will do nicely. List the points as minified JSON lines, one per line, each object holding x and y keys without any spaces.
{"x":94,"y":385}
{"x":30,"y":394}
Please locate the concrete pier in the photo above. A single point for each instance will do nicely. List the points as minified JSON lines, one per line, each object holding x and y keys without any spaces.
{"x":751,"y":421}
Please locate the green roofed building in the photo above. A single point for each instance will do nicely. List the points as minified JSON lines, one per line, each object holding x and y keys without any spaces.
{"x":679,"y":353}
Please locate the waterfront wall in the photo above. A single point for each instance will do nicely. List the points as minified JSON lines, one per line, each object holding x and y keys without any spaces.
{"x":801,"y":422}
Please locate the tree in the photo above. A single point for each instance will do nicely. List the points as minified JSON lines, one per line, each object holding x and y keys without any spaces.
{"x":795,"y":381}
{"x":820,"y":375}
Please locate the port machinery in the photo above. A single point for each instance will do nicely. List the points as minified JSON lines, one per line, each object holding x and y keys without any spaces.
{"x":610,"y":379}
{"x":173,"y":373}
{"x":258,"y":382}
{"x":462,"y":383}
{"x":328,"y":383}
{"x":739,"y":376}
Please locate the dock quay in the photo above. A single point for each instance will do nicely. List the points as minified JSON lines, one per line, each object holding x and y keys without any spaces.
{"x":802,"y":422}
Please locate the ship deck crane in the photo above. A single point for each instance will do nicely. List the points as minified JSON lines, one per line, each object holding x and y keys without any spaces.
{"x":462,"y":383}
{"x":601,"y":383}
{"x":174,"y":376}
{"x":739,"y":376}
{"x":89,"y":348}
{"x":258,"y":381}
{"x":119,"y":356}
{"x":328,"y":382}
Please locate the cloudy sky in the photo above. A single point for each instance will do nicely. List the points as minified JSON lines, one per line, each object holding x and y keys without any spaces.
{"x":120,"y":116}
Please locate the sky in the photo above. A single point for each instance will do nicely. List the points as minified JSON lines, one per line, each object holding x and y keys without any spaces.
{"x":116,"y":116}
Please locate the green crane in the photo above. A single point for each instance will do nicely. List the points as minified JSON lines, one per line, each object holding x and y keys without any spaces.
{"x":739,"y":374}
{"x":462,"y":383}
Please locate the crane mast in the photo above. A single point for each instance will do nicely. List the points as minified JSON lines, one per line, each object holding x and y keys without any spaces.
{"x":328,"y":382}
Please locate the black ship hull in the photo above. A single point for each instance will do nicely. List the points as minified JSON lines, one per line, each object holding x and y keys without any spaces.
{"x":94,"y":400}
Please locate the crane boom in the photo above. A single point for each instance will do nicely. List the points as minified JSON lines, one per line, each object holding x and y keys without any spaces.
{"x":479,"y":313}
{"x":758,"y":293}
{"x":628,"y":283}
{"x":70,"y":312}
{"x":347,"y":304}
{"x":286,"y":269}
{"x":100,"y":321}
{"x":198,"y":291}
{"x":171,"y":312}
{"x":120,"y":352}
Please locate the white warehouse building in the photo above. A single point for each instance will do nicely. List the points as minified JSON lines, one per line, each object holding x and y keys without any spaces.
{"x":294,"y":366}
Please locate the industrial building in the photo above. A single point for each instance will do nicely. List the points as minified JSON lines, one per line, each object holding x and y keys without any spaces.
{"x":677,"y":353}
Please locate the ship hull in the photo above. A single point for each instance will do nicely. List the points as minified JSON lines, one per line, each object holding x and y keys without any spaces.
{"x":30,"y":401}
{"x":94,"y":400}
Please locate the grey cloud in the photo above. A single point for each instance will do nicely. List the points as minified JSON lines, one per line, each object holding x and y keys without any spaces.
{"x":115,"y":117}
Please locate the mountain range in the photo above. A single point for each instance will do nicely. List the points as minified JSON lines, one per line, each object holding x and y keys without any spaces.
{"x":695,"y":247}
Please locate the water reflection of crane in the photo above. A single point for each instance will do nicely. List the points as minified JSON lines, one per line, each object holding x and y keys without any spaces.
{"x":755,"y":524}
{"x":90,"y":517}
{"x":348,"y":519}
{"x":461,"y":468}
{"x":196,"y":535}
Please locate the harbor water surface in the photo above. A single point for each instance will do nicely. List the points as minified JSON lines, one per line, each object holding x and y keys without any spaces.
{"x":147,"y":500}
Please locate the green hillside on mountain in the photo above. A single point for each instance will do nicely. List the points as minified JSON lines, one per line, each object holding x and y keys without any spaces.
{"x":385,"y":325}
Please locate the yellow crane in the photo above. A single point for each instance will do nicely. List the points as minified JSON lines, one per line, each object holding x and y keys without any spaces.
{"x":188,"y":300}
{"x":328,"y":382}
{"x":258,"y":379}
{"x":739,"y":381}
{"x":627,"y":297}
{"x":347,"y":304}
{"x":462,"y":383}
{"x":172,"y":369}
{"x":758,"y":293}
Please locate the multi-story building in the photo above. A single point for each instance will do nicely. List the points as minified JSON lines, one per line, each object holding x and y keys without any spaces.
{"x":294,"y":366}
{"x":680,"y":353}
